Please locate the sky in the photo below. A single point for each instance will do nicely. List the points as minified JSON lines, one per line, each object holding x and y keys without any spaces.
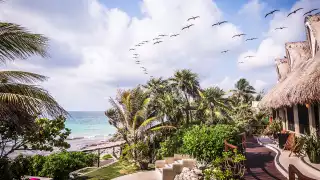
{"x":90,"y":41}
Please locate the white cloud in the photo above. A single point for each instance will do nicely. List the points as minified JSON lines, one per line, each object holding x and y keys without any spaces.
{"x":100,"y":38}
{"x":260,"y":85}
{"x":90,"y":42}
{"x":253,"y":8}
{"x":273,"y":46}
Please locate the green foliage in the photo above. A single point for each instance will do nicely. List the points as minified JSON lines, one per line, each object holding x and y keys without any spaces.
{"x":228,"y":167}
{"x":275,"y":127}
{"x":207,"y":143}
{"x":20,"y":166}
{"x":45,"y":134}
{"x":107,"y":156}
{"x":57,"y":165}
{"x":312,"y":147}
{"x":172,"y":145}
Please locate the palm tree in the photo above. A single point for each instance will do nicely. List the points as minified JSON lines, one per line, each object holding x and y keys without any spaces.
{"x":215,"y":104}
{"x":131,"y":115}
{"x":18,"y":92}
{"x":243,"y":91}
{"x":186,"y":82}
{"x":157,"y":86}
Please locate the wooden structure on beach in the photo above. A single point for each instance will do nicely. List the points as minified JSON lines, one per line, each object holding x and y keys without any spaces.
{"x":295,"y":98}
{"x":100,"y":150}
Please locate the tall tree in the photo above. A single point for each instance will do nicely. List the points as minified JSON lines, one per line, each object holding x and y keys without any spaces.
{"x":188,"y":84}
{"x":131,"y":116}
{"x":18,"y":93}
{"x":243,"y":91}
{"x":215,"y":104}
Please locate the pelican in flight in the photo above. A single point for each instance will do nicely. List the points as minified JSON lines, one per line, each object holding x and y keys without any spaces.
{"x":241,"y":62}
{"x":280,"y":28}
{"x":187,"y":27}
{"x":225,"y":51}
{"x":174,"y":35}
{"x":310,"y":11}
{"x":238,"y":35}
{"x":156,"y":39}
{"x":162,"y":35}
{"x":131,"y":49}
{"x":249,"y":57}
{"x":219,"y":23}
{"x":145,"y":41}
{"x":193,"y":18}
{"x":138,"y":45}
{"x":251,"y":39}
{"x":158,"y":42}
{"x":272,"y":12}
{"x":135,"y":57}
{"x":295,"y":11}
{"x":136,"y":54}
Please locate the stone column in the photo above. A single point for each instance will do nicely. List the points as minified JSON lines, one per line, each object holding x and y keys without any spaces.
{"x":296,"y":119}
{"x":282,"y":117}
{"x":312,"y":119}
{"x":286,"y":119}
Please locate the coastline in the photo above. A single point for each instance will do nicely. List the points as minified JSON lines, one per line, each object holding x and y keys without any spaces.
{"x":77,"y":144}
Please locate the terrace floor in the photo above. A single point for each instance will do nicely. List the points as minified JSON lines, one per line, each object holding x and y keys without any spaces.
{"x":260,"y":162}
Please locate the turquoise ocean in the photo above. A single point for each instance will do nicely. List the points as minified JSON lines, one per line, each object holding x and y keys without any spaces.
{"x":88,"y":124}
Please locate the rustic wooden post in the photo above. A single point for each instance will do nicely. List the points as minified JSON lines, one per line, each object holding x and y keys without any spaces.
{"x":98,"y":157}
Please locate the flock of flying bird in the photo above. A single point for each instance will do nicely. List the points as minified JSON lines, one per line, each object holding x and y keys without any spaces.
{"x":159,"y":38}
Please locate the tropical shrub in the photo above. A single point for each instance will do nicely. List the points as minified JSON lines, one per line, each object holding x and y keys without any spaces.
{"x":172,"y":145}
{"x":107,"y":156}
{"x":207,"y":143}
{"x":45,"y":134}
{"x":57,"y":166}
{"x":274,"y":128}
{"x":230,"y":166}
{"x":312,"y":147}
{"x":20,"y":166}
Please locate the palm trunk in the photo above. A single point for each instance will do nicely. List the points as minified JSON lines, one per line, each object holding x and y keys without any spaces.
{"x":187,"y":109}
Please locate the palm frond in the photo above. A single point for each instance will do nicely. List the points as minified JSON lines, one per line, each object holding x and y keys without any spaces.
{"x":149,"y":120}
{"x":159,"y":128}
{"x":17,"y":42}
{"x":21,"y":77}
{"x":121,"y":114}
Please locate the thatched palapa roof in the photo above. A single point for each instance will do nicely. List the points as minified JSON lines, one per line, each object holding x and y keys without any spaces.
{"x":298,"y":54}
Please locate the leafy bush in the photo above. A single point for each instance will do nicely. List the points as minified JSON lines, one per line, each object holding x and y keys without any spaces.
{"x":57,"y":166}
{"x":173,"y":144}
{"x":20,"y":166}
{"x":207,"y":143}
{"x":312,"y":147}
{"x":107,"y":156}
{"x":229,"y":166}
{"x":274,"y":128}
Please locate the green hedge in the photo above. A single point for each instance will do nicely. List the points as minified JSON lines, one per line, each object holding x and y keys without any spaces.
{"x":57,"y":165}
{"x":207,"y":143}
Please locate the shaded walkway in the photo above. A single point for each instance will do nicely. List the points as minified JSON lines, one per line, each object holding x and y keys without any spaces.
{"x":260,"y":162}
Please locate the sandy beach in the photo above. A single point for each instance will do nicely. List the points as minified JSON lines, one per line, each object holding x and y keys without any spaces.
{"x":79,"y":144}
